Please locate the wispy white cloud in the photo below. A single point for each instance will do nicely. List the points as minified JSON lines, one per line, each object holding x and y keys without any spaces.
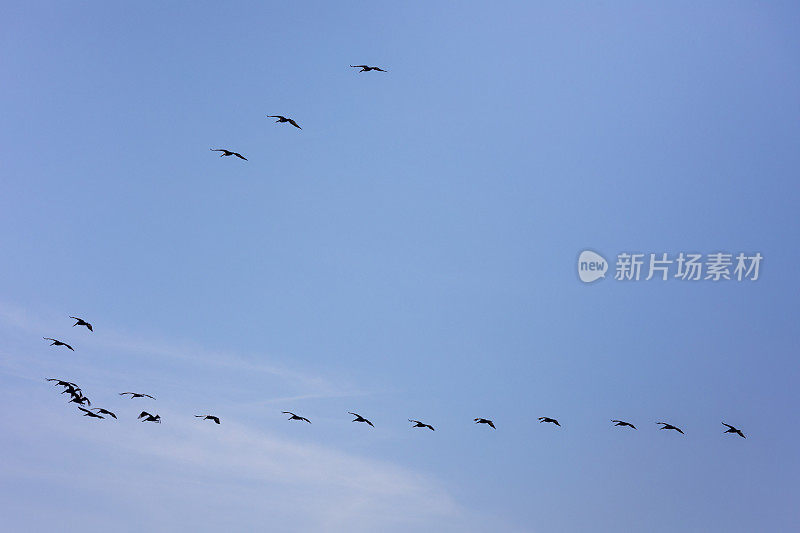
{"x":242,"y":478}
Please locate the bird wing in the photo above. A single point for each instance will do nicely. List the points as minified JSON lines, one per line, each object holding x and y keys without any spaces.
{"x":368,"y":422}
{"x":277,"y":116}
{"x":293,"y":123}
{"x":306,"y":419}
{"x":68,"y":346}
{"x":148,"y":396}
{"x":288,"y":413}
{"x":240,"y":156}
{"x":729,"y":426}
{"x":49,"y":339}
{"x":358,"y":66}
{"x":491,"y":424}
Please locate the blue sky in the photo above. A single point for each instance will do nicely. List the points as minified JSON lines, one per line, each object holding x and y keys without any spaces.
{"x":409,"y":254}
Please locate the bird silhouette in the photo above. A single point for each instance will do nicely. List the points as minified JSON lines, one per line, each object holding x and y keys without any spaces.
{"x":105,"y":412}
{"x":147,"y":417}
{"x":485,"y":421}
{"x":550,"y":420}
{"x":136,"y":395}
{"x":62,"y":383}
{"x":80,"y":400}
{"x":295,"y":417}
{"x":367,"y":68}
{"x":81,"y":322}
{"x":208,"y":417}
{"x":732,"y":429}
{"x":227,"y":152}
{"x":58,"y":343}
{"x":670,"y":426}
{"x":72,"y":391}
{"x":359,"y":418}
{"x":284,"y":119}
{"x":418,"y":424}
{"x":621,"y":423}
{"x":89,"y":413}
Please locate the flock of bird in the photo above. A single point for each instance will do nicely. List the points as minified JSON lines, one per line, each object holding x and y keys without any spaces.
{"x":77,"y":397}
{"x":287,"y":120}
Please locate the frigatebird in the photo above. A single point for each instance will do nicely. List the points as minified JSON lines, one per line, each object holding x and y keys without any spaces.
{"x":485,"y":421}
{"x":285,"y":119}
{"x":621,"y":423}
{"x":81,"y":322}
{"x":227,"y":152}
{"x":418,"y":424}
{"x":136,"y":395}
{"x":105,"y":412}
{"x":732,"y":429}
{"x":147,"y":417}
{"x":670,"y":426}
{"x":88,"y":413}
{"x":295,"y":417}
{"x":548,"y":419}
{"x":367,"y":68}
{"x":359,"y":418}
{"x":58,"y":343}
{"x":208,"y":417}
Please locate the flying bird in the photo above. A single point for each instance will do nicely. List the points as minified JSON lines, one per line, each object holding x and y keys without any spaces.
{"x":227,"y":152}
{"x":367,"y":68}
{"x":550,"y":420}
{"x":359,"y":418}
{"x":62,"y":383}
{"x":58,"y":343}
{"x":80,"y":400}
{"x":621,"y":423}
{"x":105,"y":412}
{"x":136,"y":395}
{"x":147,"y":417}
{"x":81,"y":322}
{"x":485,"y":421}
{"x":732,"y":429}
{"x":88,"y":413}
{"x":284,"y":119}
{"x":418,"y":424}
{"x":295,"y":417}
{"x":208,"y":417}
{"x":670,"y":426}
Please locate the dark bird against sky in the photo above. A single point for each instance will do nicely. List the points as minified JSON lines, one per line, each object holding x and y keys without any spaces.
{"x":366,"y":68}
{"x":621,"y":423}
{"x":136,"y":395}
{"x":227,"y":152}
{"x":732,"y":429}
{"x":549,"y":420}
{"x":295,"y":417}
{"x":485,"y":421}
{"x":284,"y":119}
{"x":105,"y":412}
{"x":58,"y":343}
{"x":208,"y":417}
{"x":81,"y":322}
{"x":147,"y":417}
{"x":359,"y":418}
{"x":87,"y":412}
{"x":670,"y":426}
{"x":418,"y":424}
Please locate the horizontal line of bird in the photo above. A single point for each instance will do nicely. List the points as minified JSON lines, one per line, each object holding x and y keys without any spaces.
{"x":80,"y":399}
{"x":97,"y":412}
